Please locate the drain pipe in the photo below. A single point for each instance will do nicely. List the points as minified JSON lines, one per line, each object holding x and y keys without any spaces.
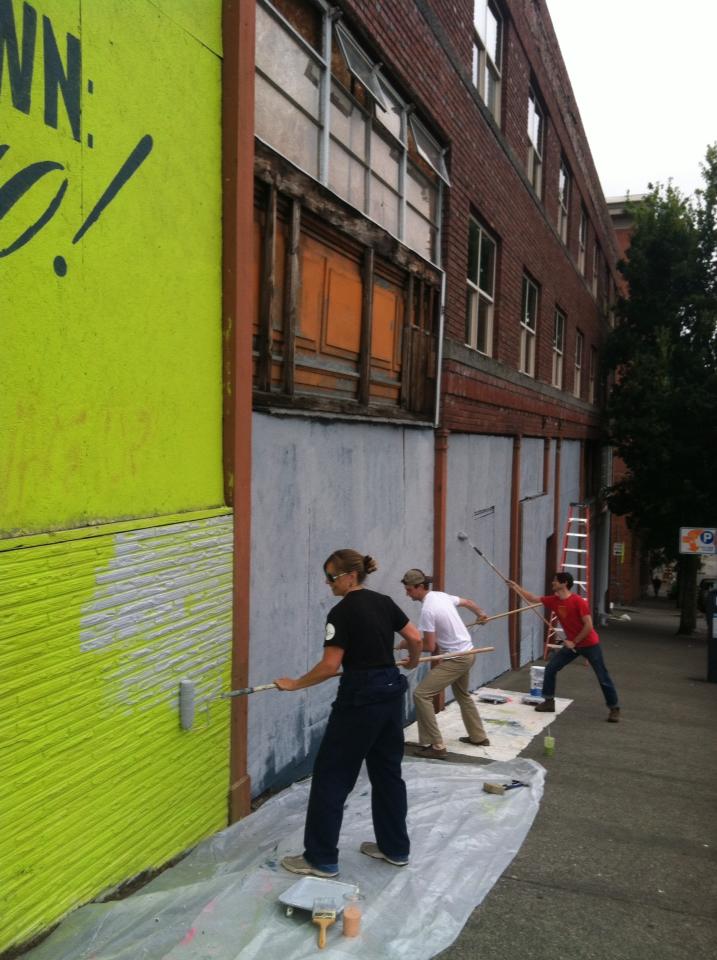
{"x":439,"y":357}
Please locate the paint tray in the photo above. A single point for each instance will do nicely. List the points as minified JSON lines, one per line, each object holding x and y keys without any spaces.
{"x":493,"y":698}
{"x":301,"y":895}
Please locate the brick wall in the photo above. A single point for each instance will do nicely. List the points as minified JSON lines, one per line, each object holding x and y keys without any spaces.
{"x":426,"y":48}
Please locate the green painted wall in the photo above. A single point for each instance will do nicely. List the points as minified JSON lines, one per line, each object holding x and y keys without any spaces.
{"x":115,"y":546}
{"x":110,"y":365}
{"x":99,"y":780}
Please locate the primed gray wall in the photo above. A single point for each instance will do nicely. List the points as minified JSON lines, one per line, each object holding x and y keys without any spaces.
{"x":536,"y":507}
{"x":478,"y":503}
{"x":569,"y":483}
{"x":318,"y":486}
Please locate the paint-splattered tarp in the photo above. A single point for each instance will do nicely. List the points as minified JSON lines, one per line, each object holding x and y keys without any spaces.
{"x":221,"y":902}
{"x":510,"y":726}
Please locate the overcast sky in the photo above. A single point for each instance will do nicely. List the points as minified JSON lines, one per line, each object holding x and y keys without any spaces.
{"x":644,"y":74}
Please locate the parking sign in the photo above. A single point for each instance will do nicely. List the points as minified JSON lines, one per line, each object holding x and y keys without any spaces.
{"x":697,"y":540}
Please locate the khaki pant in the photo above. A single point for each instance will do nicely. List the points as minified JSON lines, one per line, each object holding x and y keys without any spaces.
{"x":454,"y":673}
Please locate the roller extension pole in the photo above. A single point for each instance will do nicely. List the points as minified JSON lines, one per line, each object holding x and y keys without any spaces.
{"x":452,"y":656}
{"x":246,"y":690}
{"x":464,"y":538}
{"x":442,"y":656}
{"x":497,"y":616}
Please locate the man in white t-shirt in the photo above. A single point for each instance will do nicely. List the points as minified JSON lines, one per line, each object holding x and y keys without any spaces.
{"x":443,"y":632}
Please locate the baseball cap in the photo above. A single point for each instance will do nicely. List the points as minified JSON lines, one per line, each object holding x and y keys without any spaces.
{"x":415,"y":577}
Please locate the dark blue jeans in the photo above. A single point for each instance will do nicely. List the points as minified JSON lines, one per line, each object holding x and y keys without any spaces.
{"x":366,"y":723}
{"x":561,"y":658}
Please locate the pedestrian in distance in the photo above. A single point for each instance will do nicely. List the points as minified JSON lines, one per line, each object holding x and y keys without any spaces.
{"x":581,"y":640}
{"x":443,"y":632}
{"x":366,"y":720}
{"x":656,"y":584}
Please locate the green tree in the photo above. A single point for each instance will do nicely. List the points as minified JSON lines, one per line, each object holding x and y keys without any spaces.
{"x":662,"y":409}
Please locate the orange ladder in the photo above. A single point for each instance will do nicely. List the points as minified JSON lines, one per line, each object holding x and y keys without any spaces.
{"x":575,"y":559}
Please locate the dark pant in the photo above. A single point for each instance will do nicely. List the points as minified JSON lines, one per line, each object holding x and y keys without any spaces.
{"x":366,"y":723}
{"x":561,"y":658}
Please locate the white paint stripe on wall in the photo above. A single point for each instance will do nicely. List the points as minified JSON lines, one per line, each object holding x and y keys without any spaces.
{"x":164,"y":604}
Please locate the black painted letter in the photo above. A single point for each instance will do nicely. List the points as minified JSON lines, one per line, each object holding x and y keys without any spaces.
{"x":20,"y":70}
{"x":55,"y":77}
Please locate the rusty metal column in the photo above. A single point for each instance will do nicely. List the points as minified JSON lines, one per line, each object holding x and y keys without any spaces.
{"x":515,"y":537}
{"x":238,"y":204}
{"x":440,"y":484}
{"x":556,"y":511}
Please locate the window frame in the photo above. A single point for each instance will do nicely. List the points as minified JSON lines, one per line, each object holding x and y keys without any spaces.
{"x":558,"y":348}
{"x":578,"y":366}
{"x":528,"y":333}
{"x":592,"y":375}
{"x":596,"y":268}
{"x":582,"y":240}
{"x":477,"y":295}
{"x":564,"y":200}
{"x":483,"y":62}
{"x":535,"y":150}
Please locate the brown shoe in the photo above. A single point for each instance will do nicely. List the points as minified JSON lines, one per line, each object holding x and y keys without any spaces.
{"x":547,"y":706}
{"x":614,"y":715}
{"x":432,"y":753}
{"x":476,"y":743}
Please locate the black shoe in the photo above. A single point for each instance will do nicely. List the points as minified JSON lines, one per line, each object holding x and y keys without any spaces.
{"x":476,"y":743}
{"x":547,"y":706}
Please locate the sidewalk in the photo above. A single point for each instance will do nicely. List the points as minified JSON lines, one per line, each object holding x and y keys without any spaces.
{"x":620,"y":861}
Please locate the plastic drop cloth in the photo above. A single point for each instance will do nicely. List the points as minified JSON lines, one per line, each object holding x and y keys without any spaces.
{"x":221,"y":901}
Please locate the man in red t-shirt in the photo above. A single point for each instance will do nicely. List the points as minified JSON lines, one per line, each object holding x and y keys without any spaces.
{"x":580,"y":640}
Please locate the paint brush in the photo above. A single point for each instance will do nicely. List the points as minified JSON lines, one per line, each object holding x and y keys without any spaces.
{"x":323,"y":915}
{"x":500,"y":788}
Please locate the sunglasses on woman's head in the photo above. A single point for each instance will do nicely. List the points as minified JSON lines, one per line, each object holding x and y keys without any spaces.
{"x":333,"y":577}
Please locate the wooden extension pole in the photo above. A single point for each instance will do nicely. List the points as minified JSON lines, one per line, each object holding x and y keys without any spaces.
{"x":497,"y":616}
{"x":441,"y":656}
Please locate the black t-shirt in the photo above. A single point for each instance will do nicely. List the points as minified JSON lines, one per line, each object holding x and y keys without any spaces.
{"x":363,"y":624}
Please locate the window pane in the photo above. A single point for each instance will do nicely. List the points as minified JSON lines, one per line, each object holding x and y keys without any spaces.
{"x":487,"y":264}
{"x":559,"y":333}
{"x":289,"y":131}
{"x":530,"y":299}
{"x":476,"y":64}
{"x":359,"y":64}
{"x":428,"y":148}
{"x":473,"y":242}
{"x":492,"y":37}
{"x":421,"y":193}
{"x":471,"y":302}
{"x":384,"y":206}
{"x":391,"y":116}
{"x":557,"y":370}
{"x":479,"y":17}
{"x":485,"y":314}
{"x":491,"y":90}
{"x":385,"y":160}
{"x":347,"y":176}
{"x":420,"y":234}
{"x":280,"y":57}
{"x":535,"y":123}
{"x":348,"y":122}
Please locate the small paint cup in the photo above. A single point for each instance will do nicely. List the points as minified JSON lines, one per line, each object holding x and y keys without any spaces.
{"x":549,"y":746}
{"x":353,"y":911}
